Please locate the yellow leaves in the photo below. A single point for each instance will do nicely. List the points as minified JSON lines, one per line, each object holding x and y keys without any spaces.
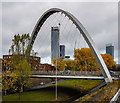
{"x":85,"y":59}
{"x":60,"y":64}
{"x":22,"y":69}
{"x":13,"y":74}
{"x":7,"y":71}
{"x":109,"y":61}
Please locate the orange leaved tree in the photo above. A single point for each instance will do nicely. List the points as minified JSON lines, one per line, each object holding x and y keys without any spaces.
{"x":108,"y":59}
{"x":85,"y":60}
{"x":60,"y":64}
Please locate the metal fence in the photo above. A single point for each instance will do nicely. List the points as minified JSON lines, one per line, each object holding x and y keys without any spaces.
{"x":76,"y":73}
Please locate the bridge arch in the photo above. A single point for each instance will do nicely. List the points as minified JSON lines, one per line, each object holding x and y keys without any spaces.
{"x":82,"y":30}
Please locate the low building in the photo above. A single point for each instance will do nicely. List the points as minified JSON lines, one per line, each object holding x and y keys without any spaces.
{"x":46,"y":67}
{"x":67,"y":58}
{"x":33,"y":60}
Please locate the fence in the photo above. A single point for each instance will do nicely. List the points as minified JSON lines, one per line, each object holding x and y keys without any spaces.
{"x":76,"y":73}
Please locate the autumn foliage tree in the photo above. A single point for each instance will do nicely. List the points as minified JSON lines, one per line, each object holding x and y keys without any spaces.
{"x":60,"y":63}
{"x":17,"y":71}
{"x":85,"y":60}
{"x":108,"y":59}
{"x":70,"y":65}
{"x":64,"y":64}
{"x":16,"y":75}
{"x":23,"y":71}
{"x":9,"y":82}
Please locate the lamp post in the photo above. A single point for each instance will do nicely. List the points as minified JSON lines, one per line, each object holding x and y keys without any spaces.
{"x":56,"y":80}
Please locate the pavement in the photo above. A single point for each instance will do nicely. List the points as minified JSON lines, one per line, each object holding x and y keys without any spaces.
{"x":45,"y":85}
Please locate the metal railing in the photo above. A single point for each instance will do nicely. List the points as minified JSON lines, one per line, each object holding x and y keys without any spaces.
{"x":114,"y":99}
{"x":76,"y":73}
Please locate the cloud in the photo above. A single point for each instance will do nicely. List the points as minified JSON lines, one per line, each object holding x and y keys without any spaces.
{"x":100,"y":20}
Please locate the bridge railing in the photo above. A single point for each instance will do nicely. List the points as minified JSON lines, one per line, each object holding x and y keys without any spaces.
{"x":76,"y":73}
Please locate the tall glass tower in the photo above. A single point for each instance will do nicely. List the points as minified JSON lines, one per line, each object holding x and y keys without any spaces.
{"x":110,"y":50}
{"x":55,"y":48}
{"x":62,"y":51}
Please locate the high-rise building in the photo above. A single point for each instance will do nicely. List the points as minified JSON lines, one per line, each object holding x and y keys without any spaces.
{"x":55,"y":48}
{"x":62,"y":51}
{"x":110,"y":50}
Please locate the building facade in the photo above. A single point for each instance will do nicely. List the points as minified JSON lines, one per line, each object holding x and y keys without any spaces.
{"x":46,"y":67}
{"x":62,"y":51}
{"x":110,"y":50}
{"x":55,"y":48}
{"x":33,"y":60}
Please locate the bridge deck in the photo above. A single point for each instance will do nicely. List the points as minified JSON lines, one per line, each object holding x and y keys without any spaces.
{"x":75,"y":77}
{"x":70,"y":77}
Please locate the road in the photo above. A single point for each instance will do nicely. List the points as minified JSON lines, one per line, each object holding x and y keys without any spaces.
{"x":47,"y":84}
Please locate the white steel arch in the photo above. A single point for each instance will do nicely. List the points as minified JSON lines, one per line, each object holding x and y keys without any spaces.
{"x":82,"y":30}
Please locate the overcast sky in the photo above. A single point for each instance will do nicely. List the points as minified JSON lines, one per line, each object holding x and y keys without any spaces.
{"x":100,"y":19}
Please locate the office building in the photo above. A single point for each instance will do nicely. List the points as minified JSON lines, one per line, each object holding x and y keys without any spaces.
{"x":110,"y":50}
{"x":62,"y":51}
{"x":55,"y":48}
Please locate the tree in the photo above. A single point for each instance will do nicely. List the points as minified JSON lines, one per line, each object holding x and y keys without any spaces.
{"x":64,"y":64}
{"x":16,"y":75}
{"x":16,"y":42}
{"x":8,"y":82}
{"x":60,"y":64}
{"x":109,"y":61}
{"x":20,"y":43}
{"x":23,"y":71}
{"x":85,"y":60}
{"x":24,"y":39}
{"x":70,"y":65}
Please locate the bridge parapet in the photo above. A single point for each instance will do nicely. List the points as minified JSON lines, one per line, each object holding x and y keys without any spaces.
{"x":72,"y":73}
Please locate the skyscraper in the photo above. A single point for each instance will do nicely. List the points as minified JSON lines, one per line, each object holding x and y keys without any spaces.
{"x":55,"y":48}
{"x":62,"y":51}
{"x":110,"y":49}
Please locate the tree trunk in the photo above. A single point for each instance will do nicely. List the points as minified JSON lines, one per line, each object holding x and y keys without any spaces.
{"x":5,"y":93}
{"x":19,"y":94}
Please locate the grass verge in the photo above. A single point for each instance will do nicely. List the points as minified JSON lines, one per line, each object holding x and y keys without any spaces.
{"x":66,"y":89}
{"x":103,"y":95}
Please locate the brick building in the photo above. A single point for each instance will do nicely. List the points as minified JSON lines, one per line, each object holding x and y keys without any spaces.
{"x":46,"y":67}
{"x":33,"y":60}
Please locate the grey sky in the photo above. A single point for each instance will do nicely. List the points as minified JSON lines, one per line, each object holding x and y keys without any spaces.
{"x":100,"y":20}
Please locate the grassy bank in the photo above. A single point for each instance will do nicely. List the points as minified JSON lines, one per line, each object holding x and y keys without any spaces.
{"x":66,"y":90}
{"x":103,"y":95}
{"x":30,"y":96}
{"x":79,"y":84}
